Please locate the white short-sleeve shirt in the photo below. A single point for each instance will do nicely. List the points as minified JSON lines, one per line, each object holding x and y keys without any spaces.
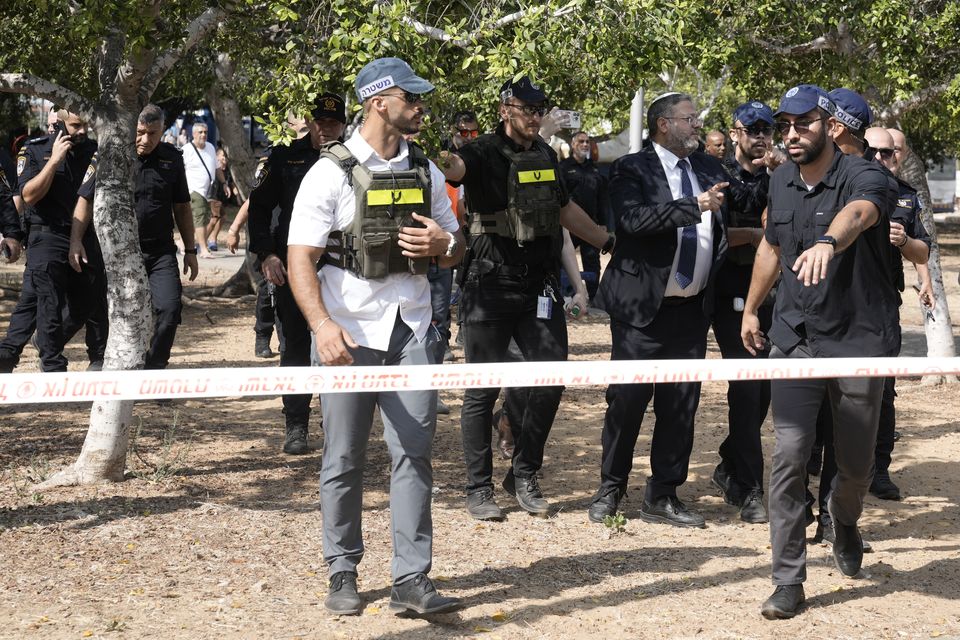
{"x":365,"y":308}
{"x":201,"y":167}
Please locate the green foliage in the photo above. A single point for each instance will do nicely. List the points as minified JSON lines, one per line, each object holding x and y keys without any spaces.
{"x":616,"y":523}
{"x":168,"y":461}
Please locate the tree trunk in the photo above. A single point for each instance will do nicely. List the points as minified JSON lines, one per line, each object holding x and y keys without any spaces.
{"x":937,"y":325}
{"x":104,"y":450}
{"x":229,"y":119}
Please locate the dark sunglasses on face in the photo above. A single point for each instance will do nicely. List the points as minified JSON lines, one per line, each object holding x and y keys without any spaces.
{"x":757,"y":130}
{"x":886,"y":154}
{"x":528,"y":109}
{"x":468,"y":133}
{"x":801,"y":126}
{"x":409,"y":98}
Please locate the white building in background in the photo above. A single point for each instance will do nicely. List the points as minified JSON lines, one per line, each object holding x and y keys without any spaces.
{"x":944,"y":181}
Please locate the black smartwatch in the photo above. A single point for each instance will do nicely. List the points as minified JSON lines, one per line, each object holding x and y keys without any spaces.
{"x":828,"y":240}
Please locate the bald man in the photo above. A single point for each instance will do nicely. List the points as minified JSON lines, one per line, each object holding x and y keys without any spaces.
{"x":716,"y":144}
{"x":900,"y":147}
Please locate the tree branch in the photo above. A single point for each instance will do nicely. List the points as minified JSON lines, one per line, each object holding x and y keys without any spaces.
{"x":837,"y":40}
{"x":436,"y":33}
{"x":922,"y":96}
{"x":111,"y":53}
{"x":31,"y":85}
{"x":197,"y":30}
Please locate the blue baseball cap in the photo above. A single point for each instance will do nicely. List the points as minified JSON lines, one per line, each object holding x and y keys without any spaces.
{"x":383,"y":73}
{"x":749,"y":113}
{"x":804,"y":98}
{"x":523,"y":89}
{"x":852,"y":110}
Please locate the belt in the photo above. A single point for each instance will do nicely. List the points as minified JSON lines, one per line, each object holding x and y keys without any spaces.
{"x":676,"y":301}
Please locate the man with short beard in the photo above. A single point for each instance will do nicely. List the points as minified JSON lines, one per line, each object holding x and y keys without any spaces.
{"x":740,"y":472}
{"x":827,"y":232}
{"x":668,"y":202}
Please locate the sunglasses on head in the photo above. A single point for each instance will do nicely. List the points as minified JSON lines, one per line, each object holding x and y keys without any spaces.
{"x":468,"y":133}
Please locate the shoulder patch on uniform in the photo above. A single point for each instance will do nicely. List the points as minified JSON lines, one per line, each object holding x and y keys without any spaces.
{"x":91,"y":168}
{"x":263,"y":170}
{"x":21,"y":162}
{"x":906,"y":203}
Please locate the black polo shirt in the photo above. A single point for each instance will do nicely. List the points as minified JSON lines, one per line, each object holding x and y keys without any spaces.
{"x":588,"y":188}
{"x":55,"y":210}
{"x":485,"y":185}
{"x":159,"y":182}
{"x":854,"y":311}
{"x":277,"y":182}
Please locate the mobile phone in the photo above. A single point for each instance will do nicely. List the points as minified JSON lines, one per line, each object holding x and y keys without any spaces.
{"x":567,"y":119}
{"x":61,"y":128}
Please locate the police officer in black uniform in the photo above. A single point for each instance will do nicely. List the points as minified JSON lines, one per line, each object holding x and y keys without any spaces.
{"x":278,"y":181}
{"x":827,"y":231}
{"x":517,"y":203}
{"x":160,"y":189}
{"x":588,"y":188}
{"x":740,"y":472}
{"x":10,"y":245}
{"x":51,"y":171}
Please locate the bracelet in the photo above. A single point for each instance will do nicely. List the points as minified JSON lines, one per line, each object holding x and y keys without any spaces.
{"x":609,"y":244}
{"x":189,"y":252}
{"x":905,"y":238}
{"x":322,"y":320}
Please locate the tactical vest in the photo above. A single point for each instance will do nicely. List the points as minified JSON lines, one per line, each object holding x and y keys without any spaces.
{"x":385,"y":202}
{"x":533,"y":198}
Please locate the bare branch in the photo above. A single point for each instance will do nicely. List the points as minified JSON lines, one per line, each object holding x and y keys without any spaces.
{"x":709,"y":103}
{"x":436,"y":33}
{"x":31,"y":85}
{"x":837,"y":40}
{"x":197,"y":30}
{"x":922,"y":96}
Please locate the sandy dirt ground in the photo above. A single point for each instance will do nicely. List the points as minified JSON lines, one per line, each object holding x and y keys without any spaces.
{"x":216,"y":533}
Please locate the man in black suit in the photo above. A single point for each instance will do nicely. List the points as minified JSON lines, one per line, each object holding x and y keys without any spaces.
{"x":668,"y":201}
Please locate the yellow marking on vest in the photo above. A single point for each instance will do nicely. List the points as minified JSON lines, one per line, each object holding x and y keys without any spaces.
{"x":544,"y":175}
{"x":384,"y":197}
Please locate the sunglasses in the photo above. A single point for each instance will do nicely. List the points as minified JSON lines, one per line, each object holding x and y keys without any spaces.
{"x":528,"y":109}
{"x":886,"y":154}
{"x":757,"y":130}
{"x":409,"y":98}
{"x":801,"y":126}
{"x":468,"y":133}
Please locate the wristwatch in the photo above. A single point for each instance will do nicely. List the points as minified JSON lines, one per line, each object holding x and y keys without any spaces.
{"x":190,"y":252}
{"x":609,"y":244}
{"x":452,"y":247}
{"x":828,"y":240}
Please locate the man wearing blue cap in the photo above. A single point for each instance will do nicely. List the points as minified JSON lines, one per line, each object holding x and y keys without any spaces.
{"x":518,"y":203}
{"x":740,"y":472}
{"x":827,"y":234}
{"x":375,"y":210}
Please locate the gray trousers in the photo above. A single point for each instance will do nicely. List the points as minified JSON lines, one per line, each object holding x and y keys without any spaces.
{"x":409,"y":422}
{"x":856,"y":411}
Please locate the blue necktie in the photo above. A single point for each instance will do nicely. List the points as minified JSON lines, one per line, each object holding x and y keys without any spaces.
{"x":688,"y":239}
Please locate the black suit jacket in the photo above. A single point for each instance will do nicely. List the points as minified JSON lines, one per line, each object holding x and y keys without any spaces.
{"x":647,"y":217}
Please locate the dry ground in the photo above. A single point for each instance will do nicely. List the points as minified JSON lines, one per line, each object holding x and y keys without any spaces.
{"x":217,"y":535}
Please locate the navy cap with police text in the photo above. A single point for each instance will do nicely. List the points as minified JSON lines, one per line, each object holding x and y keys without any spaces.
{"x":804,"y":98}
{"x":383,"y":73}
{"x":750,"y":113}
{"x":852,"y":110}
{"x":329,"y":105}
{"x":523,"y":89}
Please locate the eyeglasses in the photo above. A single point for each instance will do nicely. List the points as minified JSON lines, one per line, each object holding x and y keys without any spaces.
{"x":886,"y":154}
{"x":756,"y":130}
{"x":409,"y":98}
{"x":693,"y":121}
{"x":801,"y":126}
{"x":468,"y":133}
{"x":528,"y":109}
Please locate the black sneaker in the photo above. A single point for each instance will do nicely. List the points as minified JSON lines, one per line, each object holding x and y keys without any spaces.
{"x":482,"y":506}
{"x":528,"y":494}
{"x":418,"y":596}
{"x":752,"y":509}
{"x":342,"y":598}
{"x":784,"y":603}
{"x":605,"y":503}
{"x":669,"y":510}
{"x":883,"y":487}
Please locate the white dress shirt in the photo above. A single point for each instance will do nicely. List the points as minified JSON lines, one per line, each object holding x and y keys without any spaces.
{"x":701,"y":272}
{"x":365,"y":308}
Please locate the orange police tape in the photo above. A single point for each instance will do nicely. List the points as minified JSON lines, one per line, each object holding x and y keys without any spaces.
{"x":29,"y":388}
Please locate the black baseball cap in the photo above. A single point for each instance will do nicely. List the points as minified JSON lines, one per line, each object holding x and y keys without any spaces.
{"x":329,"y":105}
{"x":523,"y":89}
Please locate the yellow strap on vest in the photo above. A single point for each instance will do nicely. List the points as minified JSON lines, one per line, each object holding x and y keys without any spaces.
{"x":540,"y":175}
{"x":379,"y":197}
